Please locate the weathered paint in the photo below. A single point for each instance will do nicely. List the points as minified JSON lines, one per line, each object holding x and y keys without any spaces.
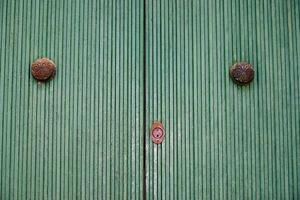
{"x":78,"y":136}
{"x":223,"y":141}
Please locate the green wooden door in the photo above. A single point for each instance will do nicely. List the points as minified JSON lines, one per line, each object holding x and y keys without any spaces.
{"x":122,"y":65}
{"x":223,"y":141}
{"x":78,"y":136}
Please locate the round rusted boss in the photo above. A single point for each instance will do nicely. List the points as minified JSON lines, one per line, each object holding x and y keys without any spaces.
{"x":242,"y":73}
{"x":157,"y":132}
{"x":43,"y":69}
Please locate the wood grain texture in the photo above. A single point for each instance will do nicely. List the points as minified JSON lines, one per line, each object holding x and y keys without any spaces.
{"x":78,"y":136}
{"x":223,"y":141}
{"x":81,"y":135}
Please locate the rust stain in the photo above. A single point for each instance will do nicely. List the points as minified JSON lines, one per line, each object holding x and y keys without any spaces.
{"x":157,"y":132}
{"x":43,"y":69}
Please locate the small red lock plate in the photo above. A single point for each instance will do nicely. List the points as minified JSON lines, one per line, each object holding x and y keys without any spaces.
{"x":157,"y":132}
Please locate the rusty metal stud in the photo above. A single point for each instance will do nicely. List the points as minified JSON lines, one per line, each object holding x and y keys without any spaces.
{"x":157,"y":132}
{"x":43,"y":69}
{"x":242,"y":73}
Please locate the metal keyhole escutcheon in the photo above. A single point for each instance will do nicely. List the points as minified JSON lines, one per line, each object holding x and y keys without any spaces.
{"x":157,"y":132}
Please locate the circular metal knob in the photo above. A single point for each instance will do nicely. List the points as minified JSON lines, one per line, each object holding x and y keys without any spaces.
{"x":43,"y":69}
{"x":242,"y":73}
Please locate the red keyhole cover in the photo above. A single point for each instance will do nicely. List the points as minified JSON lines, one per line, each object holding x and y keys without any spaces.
{"x":157,"y":132}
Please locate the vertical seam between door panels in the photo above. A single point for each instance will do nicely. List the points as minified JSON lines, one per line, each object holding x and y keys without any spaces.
{"x":144,"y":103}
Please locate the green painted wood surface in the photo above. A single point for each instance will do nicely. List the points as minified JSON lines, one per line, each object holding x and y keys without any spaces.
{"x":81,"y":135}
{"x":78,"y":136}
{"x":223,"y":141}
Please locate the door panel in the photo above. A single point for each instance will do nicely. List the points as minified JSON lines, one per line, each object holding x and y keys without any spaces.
{"x":223,"y":141}
{"x":78,"y":136}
